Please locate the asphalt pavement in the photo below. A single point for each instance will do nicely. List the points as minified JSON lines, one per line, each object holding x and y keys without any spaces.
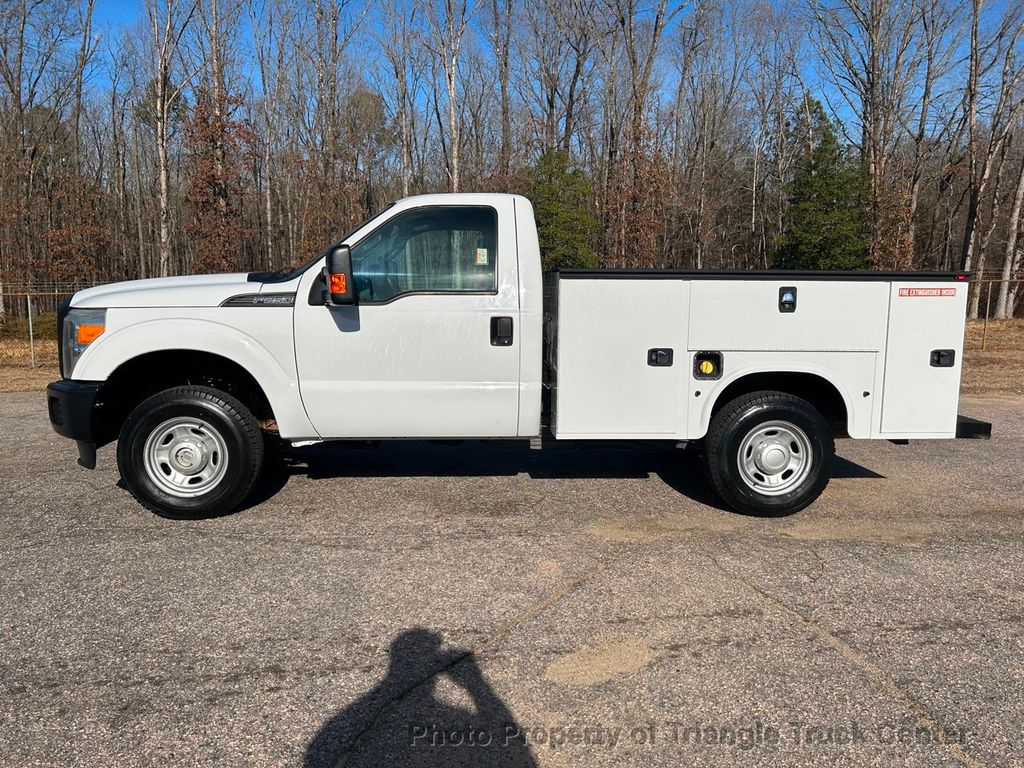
{"x":426,"y":604}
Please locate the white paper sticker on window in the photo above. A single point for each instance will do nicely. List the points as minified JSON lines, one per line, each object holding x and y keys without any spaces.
{"x":481,"y":256}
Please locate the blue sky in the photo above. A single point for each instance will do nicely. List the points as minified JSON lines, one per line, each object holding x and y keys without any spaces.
{"x":117,"y":12}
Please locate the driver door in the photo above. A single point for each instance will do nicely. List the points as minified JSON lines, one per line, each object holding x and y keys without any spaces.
{"x":418,"y":355}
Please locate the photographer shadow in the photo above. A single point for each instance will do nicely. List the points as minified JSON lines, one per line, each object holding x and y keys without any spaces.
{"x":401,"y":721}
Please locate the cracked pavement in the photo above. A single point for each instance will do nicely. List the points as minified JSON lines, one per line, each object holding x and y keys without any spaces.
{"x":471,"y":605}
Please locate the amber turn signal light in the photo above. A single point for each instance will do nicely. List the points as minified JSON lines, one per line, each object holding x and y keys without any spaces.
{"x":338,"y":283}
{"x":87,"y":334}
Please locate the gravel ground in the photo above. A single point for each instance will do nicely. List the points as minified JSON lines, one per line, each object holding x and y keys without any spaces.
{"x":468,"y":605}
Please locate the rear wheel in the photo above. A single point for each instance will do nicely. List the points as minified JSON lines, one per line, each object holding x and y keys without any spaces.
{"x":190,"y":452}
{"x":768,"y":453}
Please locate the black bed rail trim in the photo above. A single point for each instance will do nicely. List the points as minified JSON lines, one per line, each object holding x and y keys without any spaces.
{"x":972,"y":429}
{"x":762,"y":274}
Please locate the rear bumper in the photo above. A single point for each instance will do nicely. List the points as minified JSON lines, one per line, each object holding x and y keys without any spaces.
{"x":972,"y":429}
{"x":70,"y":404}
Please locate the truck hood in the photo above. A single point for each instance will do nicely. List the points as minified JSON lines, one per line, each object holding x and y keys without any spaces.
{"x":189,"y":291}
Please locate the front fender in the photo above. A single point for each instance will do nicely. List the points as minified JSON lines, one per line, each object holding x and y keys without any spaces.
{"x":273,"y":370}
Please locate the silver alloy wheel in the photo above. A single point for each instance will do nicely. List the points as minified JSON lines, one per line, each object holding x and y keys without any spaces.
{"x":185,"y":457}
{"x":774,"y":458}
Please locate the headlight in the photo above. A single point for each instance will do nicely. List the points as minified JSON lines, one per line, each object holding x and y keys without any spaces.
{"x":81,"y":328}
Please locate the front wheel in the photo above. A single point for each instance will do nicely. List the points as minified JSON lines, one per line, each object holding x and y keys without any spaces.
{"x":190,"y":452}
{"x":768,"y":453}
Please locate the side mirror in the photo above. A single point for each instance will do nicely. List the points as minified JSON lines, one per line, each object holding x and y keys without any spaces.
{"x":341,"y":286}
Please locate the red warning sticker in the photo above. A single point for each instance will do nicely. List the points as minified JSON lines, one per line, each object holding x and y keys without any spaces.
{"x":927,"y":292}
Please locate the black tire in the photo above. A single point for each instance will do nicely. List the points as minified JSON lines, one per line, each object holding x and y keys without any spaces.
{"x":728,"y":432}
{"x":217,"y":413}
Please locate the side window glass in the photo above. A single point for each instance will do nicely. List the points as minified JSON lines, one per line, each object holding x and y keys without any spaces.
{"x":448,"y":249}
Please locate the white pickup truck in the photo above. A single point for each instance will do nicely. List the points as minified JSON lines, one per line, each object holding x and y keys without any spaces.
{"x":433,"y":320}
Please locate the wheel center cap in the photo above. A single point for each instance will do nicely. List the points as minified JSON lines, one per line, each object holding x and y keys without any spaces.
{"x":189,"y":458}
{"x":773,"y":458}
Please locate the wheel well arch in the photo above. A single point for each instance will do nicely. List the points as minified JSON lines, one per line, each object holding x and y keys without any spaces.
{"x":142,"y":376}
{"x":815,"y":389}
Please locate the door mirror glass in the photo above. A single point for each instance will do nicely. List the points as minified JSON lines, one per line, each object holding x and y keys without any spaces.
{"x":341,"y":287}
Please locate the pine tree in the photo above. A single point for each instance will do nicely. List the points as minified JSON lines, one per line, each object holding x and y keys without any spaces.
{"x":827,"y":226}
{"x":566,"y":225}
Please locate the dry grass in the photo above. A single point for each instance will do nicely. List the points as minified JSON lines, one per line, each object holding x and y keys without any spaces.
{"x":25,"y":379}
{"x":16,"y":371}
{"x":17,"y":352}
{"x":999,"y":369}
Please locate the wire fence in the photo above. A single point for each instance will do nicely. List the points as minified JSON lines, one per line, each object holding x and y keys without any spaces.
{"x":28,"y":328}
{"x":1000,"y":315}
{"x":28,"y":321}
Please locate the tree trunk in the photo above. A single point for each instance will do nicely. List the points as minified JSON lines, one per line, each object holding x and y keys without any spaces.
{"x":502,"y":45}
{"x":164,"y":171}
{"x":986,"y":238}
{"x":453,"y":123}
{"x":1011,"y":256}
{"x":268,"y":203}
{"x":140,"y":227}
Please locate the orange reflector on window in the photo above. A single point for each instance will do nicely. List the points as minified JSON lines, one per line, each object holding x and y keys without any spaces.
{"x":88,"y":333}
{"x":338,"y":283}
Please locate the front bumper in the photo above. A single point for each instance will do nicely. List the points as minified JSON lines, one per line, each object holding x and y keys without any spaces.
{"x":70,"y":404}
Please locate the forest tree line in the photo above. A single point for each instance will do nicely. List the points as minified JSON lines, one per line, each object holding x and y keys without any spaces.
{"x":211,"y":135}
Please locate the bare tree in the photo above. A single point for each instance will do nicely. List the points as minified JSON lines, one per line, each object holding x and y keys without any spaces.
{"x":870,"y":51}
{"x":500,"y":36}
{"x":1007,"y":296}
{"x":45,"y":48}
{"x":86,"y":49}
{"x":632,"y":204}
{"x":678,"y":120}
{"x":168,"y":21}
{"x":271,"y":60}
{"x":999,"y":52}
{"x":641,"y":29}
{"x":775,"y":90}
{"x":447,"y":21}
{"x":556,"y":66}
{"x":940,"y":24}
{"x":397,"y":36}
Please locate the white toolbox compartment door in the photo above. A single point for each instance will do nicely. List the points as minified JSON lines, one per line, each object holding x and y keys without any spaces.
{"x":606,"y":388}
{"x":918,"y":398}
{"x":831,"y":315}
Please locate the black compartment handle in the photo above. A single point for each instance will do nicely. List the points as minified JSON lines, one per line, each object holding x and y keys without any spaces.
{"x":501,"y":331}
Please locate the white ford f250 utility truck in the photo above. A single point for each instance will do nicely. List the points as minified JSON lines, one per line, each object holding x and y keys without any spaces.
{"x":433,"y":320}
